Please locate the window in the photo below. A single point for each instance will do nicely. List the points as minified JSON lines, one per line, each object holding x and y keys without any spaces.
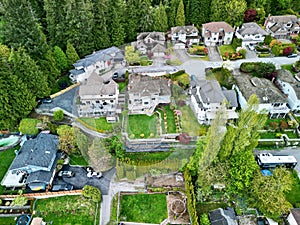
{"x":111,"y":101}
{"x":98,"y":101}
{"x":152,"y":99}
{"x":146,"y":103}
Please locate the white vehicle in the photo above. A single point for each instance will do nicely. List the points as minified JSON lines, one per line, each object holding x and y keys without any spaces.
{"x":267,"y":160}
{"x":94,"y":174}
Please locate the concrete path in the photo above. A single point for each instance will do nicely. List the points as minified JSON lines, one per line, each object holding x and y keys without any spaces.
{"x":213,"y":54}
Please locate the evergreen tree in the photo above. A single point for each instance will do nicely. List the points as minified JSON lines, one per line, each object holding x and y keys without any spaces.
{"x":29,"y":73}
{"x":132,"y":21}
{"x":71,"y":54}
{"x":60,"y":58}
{"x":145,"y":16}
{"x":218,"y":10}
{"x":48,"y":66}
{"x":100,"y":32}
{"x":200,"y":11}
{"x":180,"y":18}
{"x":161,"y":20}
{"x":235,"y":10}
{"x":116,"y":25}
{"x":171,"y":12}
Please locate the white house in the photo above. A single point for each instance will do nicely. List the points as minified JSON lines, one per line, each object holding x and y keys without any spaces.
{"x":185,"y":34}
{"x":99,"y":97}
{"x":282,"y":27}
{"x":290,"y":87}
{"x":250,"y":34}
{"x":98,"y":61}
{"x":145,"y":93}
{"x":294,"y":216}
{"x":207,"y":97}
{"x":271,"y":100}
{"x":217,"y":33}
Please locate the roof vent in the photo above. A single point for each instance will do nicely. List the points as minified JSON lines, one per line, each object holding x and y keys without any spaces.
{"x":47,"y":152}
{"x":265,"y":98}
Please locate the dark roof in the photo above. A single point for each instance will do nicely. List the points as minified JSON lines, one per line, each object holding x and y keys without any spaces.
{"x":210,"y":91}
{"x":40,"y":152}
{"x":222,"y":217}
{"x":296,"y":214}
{"x":76,"y":72}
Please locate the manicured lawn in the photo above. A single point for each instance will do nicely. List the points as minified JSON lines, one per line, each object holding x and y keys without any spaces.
{"x":6,"y":157}
{"x":7,"y":221}
{"x":142,"y":124}
{"x":268,"y":135}
{"x":98,"y":124}
{"x":293,"y":196}
{"x":189,"y":121}
{"x":170,"y":120}
{"x":147,"y":157}
{"x":78,"y":160}
{"x":144,"y":208}
{"x":226,"y":48}
{"x":67,"y":210}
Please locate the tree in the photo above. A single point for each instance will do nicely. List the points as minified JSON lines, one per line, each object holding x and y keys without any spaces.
{"x":235,"y":10}
{"x":199,"y":11}
{"x":145,"y":15}
{"x":204,"y":220}
{"x":28,"y":126}
{"x":217,"y":10}
{"x":180,"y":18}
{"x":132,"y":20}
{"x":66,"y":139}
{"x":161,"y":19}
{"x":171,"y":12}
{"x":71,"y":54}
{"x":250,"y":15}
{"x":131,"y":56}
{"x":58,"y":115}
{"x":92,"y":192}
{"x":60,"y":59}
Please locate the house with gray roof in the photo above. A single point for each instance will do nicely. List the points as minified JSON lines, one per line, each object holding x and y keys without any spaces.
{"x":187,"y":35}
{"x":250,"y":34}
{"x":34,"y":164}
{"x":217,"y":33}
{"x":282,"y":27}
{"x":208,"y":96}
{"x":223,"y":217}
{"x":99,"y":61}
{"x":145,"y":93}
{"x":271,"y":100}
{"x":98,"y":98}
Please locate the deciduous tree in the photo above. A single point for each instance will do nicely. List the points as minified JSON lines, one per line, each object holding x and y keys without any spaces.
{"x":66,"y":139}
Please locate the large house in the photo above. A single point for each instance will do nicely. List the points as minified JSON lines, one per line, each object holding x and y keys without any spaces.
{"x":185,"y":34}
{"x":217,"y":33}
{"x":99,"y":61}
{"x":150,"y":43}
{"x":294,"y":216}
{"x":99,"y":97}
{"x":145,"y":93}
{"x":34,"y":164}
{"x":250,"y":34}
{"x":208,"y":96}
{"x":290,"y":87}
{"x":223,"y":217}
{"x":271,"y":100}
{"x":282,"y":27}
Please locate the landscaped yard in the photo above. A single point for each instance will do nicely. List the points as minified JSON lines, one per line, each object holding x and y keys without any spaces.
{"x":189,"y":121}
{"x":226,"y":48}
{"x":267,"y":135}
{"x":144,"y":208}
{"x":170,"y":120}
{"x":99,"y":124}
{"x":142,"y":125}
{"x":77,"y":160}
{"x":293,"y":196}
{"x":6,"y":157}
{"x":288,"y":67}
{"x":67,"y":210}
{"x":7,"y":221}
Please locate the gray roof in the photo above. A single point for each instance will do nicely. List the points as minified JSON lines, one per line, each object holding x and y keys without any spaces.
{"x":210,"y":91}
{"x":222,"y":217}
{"x":296,"y":214}
{"x":186,"y":29}
{"x":215,"y":27}
{"x":158,"y":36}
{"x":77,"y":72}
{"x":263,"y":88}
{"x":231,"y":97}
{"x":283,"y":19}
{"x":251,"y":28}
{"x":287,"y":76}
{"x":40,"y":152}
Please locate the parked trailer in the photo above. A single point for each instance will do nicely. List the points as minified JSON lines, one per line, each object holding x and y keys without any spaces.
{"x":267,"y":160}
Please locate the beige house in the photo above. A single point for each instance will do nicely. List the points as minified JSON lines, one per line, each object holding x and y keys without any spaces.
{"x":294,"y":216}
{"x":250,"y":34}
{"x":185,"y":34}
{"x":217,"y":33}
{"x":99,"y":97}
{"x":145,"y":93}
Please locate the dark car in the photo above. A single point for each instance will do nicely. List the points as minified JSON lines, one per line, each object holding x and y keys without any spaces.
{"x":66,"y":173}
{"x":62,"y":187}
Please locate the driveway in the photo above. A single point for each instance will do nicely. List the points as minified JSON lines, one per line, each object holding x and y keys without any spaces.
{"x":250,"y":54}
{"x":213,"y":54}
{"x":181,"y":54}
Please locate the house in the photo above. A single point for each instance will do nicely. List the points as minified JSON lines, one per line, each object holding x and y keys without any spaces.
{"x":185,"y":34}
{"x":271,"y":100}
{"x":217,"y":33}
{"x":222,"y":217}
{"x":145,"y":93}
{"x":294,"y":216}
{"x":282,"y":27}
{"x":207,"y":97}
{"x":151,"y":43}
{"x":250,"y":34}
{"x":99,"y":61}
{"x":34,"y":164}
{"x":99,"y":97}
{"x":37,"y":221}
{"x":290,"y":87}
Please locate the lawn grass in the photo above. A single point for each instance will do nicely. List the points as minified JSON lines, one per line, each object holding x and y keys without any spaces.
{"x":78,"y":160}
{"x":67,"y":210}
{"x":6,"y":158}
{"x":7,"y":221}
{"x":99,"y":124}
{"x":144,"y":208}
{"x":147,"y":156}
{"x":142,"y":124}
{"x":202,"y":208}
{"x":170,"y":120}
{"x":226,"y":48}
{"x":270,"y":135}
{"x":162,"y":122}
{"x":293,"y":196}
{"x":189,"y":121}
{"x":288,"y":67}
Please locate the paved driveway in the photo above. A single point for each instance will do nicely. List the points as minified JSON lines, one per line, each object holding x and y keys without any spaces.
{"x":181,"y":54}
{"x":213,"y":54}
{"x":250,"y":54}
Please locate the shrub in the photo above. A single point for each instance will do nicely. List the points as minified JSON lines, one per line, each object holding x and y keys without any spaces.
{"x":263,"y":55}
{"x":268,"y":39}
{"x":92,"y":193}
{"x":283,"y":125}
{"x":236,"y":43}
{"x":262,"y":49}
{"x":273,"y":125}
{"x":204,"y":220}
{"x":58,"y":115}
{"x":28,"y":126}
{"x":288,"y":50}
{"x":19,"y":201}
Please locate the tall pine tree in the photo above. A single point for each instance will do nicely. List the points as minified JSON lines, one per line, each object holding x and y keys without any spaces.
{"x":160,"y":18}
{"x":180,"y":17}
{"x":116,"y":25}
{"x":71,"y":54}
{"x":145,"y":15}
{"x":132,"y":21}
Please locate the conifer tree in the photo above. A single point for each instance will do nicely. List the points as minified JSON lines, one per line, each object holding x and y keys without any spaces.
{"x":172,"y":12}
{"x":132,"y":21}
{"x":71,"y":54}
{"x":180,"y":18}
{"x":60,"y":58}
{"x":116,"y":25}
{"x":161,"y":20}
{"x":145,"y":16}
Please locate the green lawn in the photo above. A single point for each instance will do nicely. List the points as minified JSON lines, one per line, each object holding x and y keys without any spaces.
{"x":6,"y":157}
{"x":67,"y":210}
{"x":98,"y":124}
{"x":144,"y":208}
{"x":189,"y":121}
{"x":7,"y":221}
{"x":147,"y":157}
{"x":226,"y":48}
{"x":78,"y":160}
{"x":268,"y":135}
{"x":142,"y":124}
{"x":170,"y":120}
{"x":293,"y":196}
{"x":122,"y":86}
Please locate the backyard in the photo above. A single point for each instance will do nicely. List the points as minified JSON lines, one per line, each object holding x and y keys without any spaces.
{"x":99,"y":124}
{"x":226,"y":48}
{"x":7,"y":221}
{"x":189,"y":121}
{"x":67,"y":210}
{"x":143,"y":208}
{"x":6,"y":157}
{"x":140,"y":126}
{"x":293,"y":196}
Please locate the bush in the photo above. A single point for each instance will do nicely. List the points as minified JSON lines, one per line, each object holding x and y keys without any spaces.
{"x":204,"y":220}
{"x":288,"y":50}
{"x":262,"y":49}
{"x":264,"y":55}
{"x":58,"y":115}
{"x":28,"y":126}
{"x":19,"y":201}
{"x":92,"y":193}
{"x":283,"y":125}
{"x":236,"y":43}
{"x":268,"y":39}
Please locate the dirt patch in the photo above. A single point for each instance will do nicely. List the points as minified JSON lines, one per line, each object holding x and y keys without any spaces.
{"x":177,"y":208}
{"x":169,"y":180}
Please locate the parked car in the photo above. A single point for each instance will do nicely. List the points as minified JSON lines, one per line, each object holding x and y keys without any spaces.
{"x":94,"y":174}
{"x":66,"y":173}
{"x":62,"y":187}
{"x":292,"y":55}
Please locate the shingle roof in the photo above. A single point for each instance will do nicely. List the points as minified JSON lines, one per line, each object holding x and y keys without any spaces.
{"x":251,"y":28}
{"x":210,"y":91}
{"x":231,"y":97}
{"x":76,"y":72}
{"x":296,"y":214}
{"x":39,"y":152}
{"x":286,"y":76}
{"x":158,"y":36}
{"x":186,"y":29}
{"x":222,"y":217}
{"x":215,"y":27}
{"x":283,"y":19}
